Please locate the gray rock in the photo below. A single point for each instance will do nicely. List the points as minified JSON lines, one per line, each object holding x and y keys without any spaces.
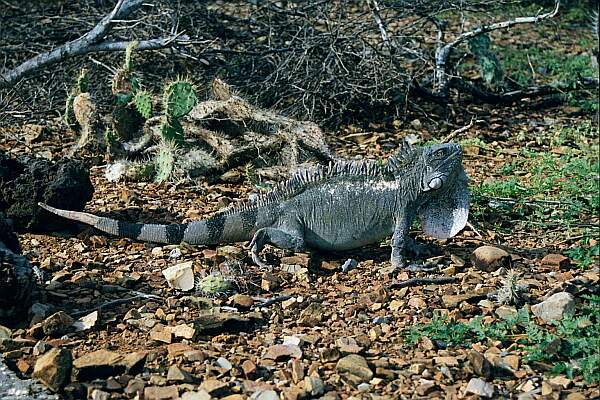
{"x":265,"y":395}
{"x":314,"y":386}
{"x":555,"y":307}
{"x":480,"y":387}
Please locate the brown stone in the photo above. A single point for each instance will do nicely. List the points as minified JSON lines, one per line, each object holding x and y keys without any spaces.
{"x":312,"y":315}
{"x":556,"y":260}
{"x":242,"y":301}
{"x":297,"y":371}
{"x":57,"y":324}
{"x":178,"y":349}
{"x":249,"y":368}
{"x":481,"y":366}
{"x":214,"y":387}
{"x":355,"y":365}
{"x":282,"y":351}
{"x":161,"y":393}
{"x":490,"y":258}
{"x":53,"y":369}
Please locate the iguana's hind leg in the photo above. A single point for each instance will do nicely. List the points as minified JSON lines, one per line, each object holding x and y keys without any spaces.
{"x":276,"y":237}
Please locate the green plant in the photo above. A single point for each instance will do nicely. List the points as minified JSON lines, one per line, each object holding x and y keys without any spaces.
{"x":164,"y":160}
{"x":80,"y":86}
{"x":572,"y":345}
{"x":178,"y":100}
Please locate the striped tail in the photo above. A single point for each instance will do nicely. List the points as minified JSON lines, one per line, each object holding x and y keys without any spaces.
{"x":214,"y":230}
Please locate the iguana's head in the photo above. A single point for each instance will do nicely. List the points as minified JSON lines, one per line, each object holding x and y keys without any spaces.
{"x":440,"y":165}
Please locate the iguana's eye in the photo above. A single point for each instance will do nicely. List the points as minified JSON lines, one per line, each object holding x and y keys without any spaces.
{"x":440,"y":153}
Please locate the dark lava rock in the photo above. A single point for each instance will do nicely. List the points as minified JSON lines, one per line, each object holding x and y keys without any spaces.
{"x":8,"y":236}
{"x":25,"y":181}
{"x":17,"y":280}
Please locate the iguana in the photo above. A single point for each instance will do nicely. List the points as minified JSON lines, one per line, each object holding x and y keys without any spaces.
{"x":340,"y":206}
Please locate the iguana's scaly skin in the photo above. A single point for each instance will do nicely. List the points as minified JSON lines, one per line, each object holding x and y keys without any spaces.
{"x":344,"y":205}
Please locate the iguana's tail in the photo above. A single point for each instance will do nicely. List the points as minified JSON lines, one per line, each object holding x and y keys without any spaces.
{"x":221,"y":228}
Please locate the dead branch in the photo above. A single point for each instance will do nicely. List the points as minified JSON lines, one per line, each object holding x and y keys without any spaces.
{"x":421,"y":281}
{"x":487,"y":96}
{"x":88,"y":43}
{"x":443,"y":51}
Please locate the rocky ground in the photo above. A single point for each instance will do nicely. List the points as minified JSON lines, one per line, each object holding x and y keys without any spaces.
{"x":106,"y":324}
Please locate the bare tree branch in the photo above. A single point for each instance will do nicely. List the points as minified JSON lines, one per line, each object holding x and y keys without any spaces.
{"x":75,"y":47}
{"x":441,"y":78}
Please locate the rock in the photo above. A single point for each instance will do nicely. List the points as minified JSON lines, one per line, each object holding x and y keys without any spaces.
{"x":98,"y":394}
{"x":363,"y":387}
{"x":453,"y":300}
{"x":425,"y":386}
{"x":480,"y":387}
{"x":180,"y":276}
{"x":161,"y":393}
{"x":214,"y":387}
{"x":297,"y":371}
{"x":249,"y":368}
{"x":446,"y":360}
{"x":282,"y":351}
{"x":25,"y":181}
{"x":506,"y":312}
{"x":87,"y":322}
{"x":5,"y":332}
{"x":57,"y":324}
{"x":7,"y":345}
{"x":349,"y":265}
{"x":417,"y":302}
{"x":348,"y":345}
{"x":555,"y":307}
{"x":224,"y":363}
{"x":53,"y":369}
{"x":161,"y":335}
{"x":416,"y":368}
{"x":215,"y":322}
{"x":556,"y":260}
{"x":176,"y":374}
{"x":183,"y":331}
{"x":481,"y":366}
{"x":355,"y":365}
{"x":103,"y":363}
{"x":178,"y":349}
{"x":265,"y":395}
{"x":312,"y":315}
{"x":314,"y":386}
{"x":200,"y":395}
{"x":269,"y":282}
{"x":242,"y":301}
{"x":490,"y":258}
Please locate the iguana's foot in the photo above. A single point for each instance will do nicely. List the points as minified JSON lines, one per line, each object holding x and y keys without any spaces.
{"x":417,"y":249}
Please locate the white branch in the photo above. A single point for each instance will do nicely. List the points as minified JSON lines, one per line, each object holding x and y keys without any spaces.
{"x":443,"y":52}
{"x":75,"y":47}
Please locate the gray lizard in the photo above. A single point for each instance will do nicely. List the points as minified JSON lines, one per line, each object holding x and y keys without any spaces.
{"x":340,"y":206}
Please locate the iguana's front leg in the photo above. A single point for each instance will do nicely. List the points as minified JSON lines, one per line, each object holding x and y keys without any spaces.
{"x":278,"y":238}
{"x":399,"y":239}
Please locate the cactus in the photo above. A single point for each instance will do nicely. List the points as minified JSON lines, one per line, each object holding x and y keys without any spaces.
{"x":128,"y":64}
{"x":214,"y":284}
{"x":178,"y":100}
{"x":81,"y":86}
{"x":511,"y":292}
{"x":143,"y":103}
{"x":164,"y":161}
